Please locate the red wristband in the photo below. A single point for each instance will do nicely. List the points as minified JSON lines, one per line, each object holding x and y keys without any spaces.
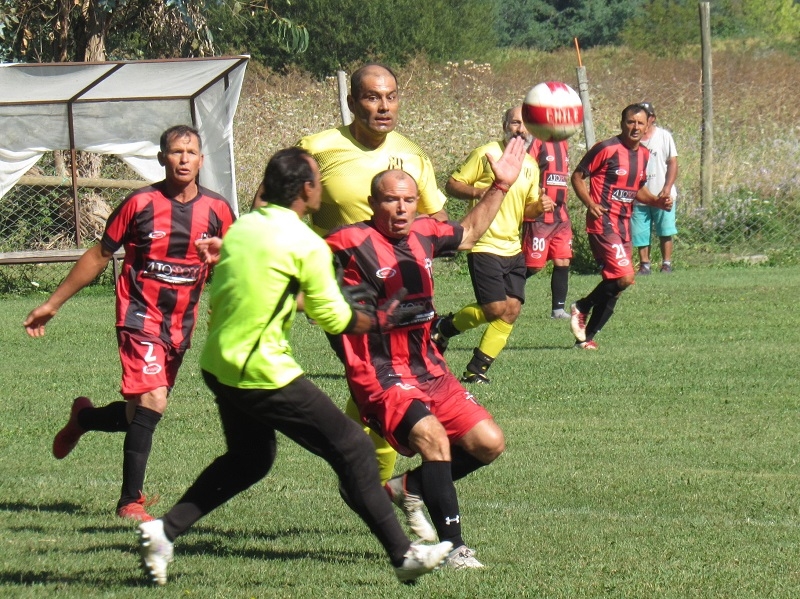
{"x":500,"y":187}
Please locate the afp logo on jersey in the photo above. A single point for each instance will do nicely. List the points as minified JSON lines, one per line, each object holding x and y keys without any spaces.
{"x":626,"y":196}
{"x":556,"y":180}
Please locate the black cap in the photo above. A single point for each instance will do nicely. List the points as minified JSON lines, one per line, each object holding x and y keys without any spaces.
{"x":648,"y":108}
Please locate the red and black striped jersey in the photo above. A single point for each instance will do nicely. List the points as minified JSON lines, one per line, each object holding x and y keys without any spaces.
{"x":404,"y":355}
{"x":616,"y":175}
{"x":553,"y":160}
{"x":162,"y":275}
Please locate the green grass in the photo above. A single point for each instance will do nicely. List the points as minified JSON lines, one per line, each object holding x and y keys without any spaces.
{"x":663,"y":465}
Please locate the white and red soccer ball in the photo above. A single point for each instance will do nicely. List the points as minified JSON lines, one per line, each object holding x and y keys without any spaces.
{"x":552,"y":111}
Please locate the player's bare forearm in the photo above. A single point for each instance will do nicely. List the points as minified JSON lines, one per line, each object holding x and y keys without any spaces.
{"x":581,"y":190}
{"x":462,"y":191}
{"x":645,"y":196}
{"x":86,"y":269}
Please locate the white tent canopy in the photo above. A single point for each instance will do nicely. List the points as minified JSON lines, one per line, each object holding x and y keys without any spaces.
{"x":120,"y":108}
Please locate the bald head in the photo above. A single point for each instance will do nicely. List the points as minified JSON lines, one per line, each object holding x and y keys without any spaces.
{"x":389,"y":179}
{"x":393,"y":199}
{"x":372,"y":69}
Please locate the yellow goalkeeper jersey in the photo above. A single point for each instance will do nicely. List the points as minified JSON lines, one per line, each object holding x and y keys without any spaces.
{"x":503,"y":236}
{"x":347,"y":169}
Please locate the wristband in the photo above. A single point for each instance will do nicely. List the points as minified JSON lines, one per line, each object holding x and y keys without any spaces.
{"x":500,"y":187}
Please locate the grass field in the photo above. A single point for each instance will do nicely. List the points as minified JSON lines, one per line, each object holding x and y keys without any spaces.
{"x":664,"y":465}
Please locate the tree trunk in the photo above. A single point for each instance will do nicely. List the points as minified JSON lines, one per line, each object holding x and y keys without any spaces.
{"x":97,"y":24}
{"x":61,"y":41}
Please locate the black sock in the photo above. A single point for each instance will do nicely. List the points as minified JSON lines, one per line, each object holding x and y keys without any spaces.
{"x":600,"y":316}
{"x":604,"y":291}
{"x":441,"y":499}
{"x":109,"y":418}
{"x":559,"y":283}
{"x":463,"y":463}
{"x":138,"y":441}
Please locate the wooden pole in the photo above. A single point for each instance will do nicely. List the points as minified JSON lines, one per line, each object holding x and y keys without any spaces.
{"x":707,"y":150}
{"x":341,"y":78}
{"x":583,"y":92}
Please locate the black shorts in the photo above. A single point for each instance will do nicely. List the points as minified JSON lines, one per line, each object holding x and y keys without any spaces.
{"x":496,"y":278}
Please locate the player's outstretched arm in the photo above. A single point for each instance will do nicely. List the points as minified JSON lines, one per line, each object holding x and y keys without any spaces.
{"x":506,"y":170}
{"x":86,"y":270}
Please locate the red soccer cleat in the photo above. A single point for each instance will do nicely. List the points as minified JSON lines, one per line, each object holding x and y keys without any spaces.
{"x":67,"y":438}
{"x":135,"y":510}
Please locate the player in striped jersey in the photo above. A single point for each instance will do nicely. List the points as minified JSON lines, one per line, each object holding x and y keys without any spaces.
{"x":349,"y":157}
{"x":399,"y":379}
{"x":549,"y":235}
{"x":617,"y":171}
{"x":157,"y":299}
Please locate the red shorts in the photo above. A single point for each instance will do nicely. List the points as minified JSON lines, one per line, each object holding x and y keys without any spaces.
{"x":546,"y":241}
{"x":444,"y":396}
{"x":147,"y":362}
{"x":614,"y":255}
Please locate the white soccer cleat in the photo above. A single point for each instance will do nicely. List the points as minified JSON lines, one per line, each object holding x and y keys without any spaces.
{"x":412,"y":507}
{"x":155,"y":550}
{"x":421,"y":559}
{"x":462,"y":558}
{"x":577,"y":322}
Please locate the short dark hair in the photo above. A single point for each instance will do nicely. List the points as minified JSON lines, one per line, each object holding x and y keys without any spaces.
{"x":648,"y":108}
{"x":632,"y":109}
{"x":357,"y":77}
{"x":286,"y":173}
{"x":178,"y":131}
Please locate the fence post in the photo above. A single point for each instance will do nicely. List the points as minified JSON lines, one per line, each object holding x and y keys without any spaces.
{"x":583,"y":92}
{"x":341,"y":77}
{"x":707,"y":150}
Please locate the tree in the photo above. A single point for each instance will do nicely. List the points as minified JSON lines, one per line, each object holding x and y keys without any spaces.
{"x":94,"y":30}
{"x":677,"y":23}
{"x":551,"y":24}
{"x":343,"y":32}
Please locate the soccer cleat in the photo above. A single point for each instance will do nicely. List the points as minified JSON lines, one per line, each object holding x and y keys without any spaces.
{"x":577,"y":322}
{"x":421,"y":559}
{"x":558,"y":314}
{"x":412,"y":507}
{"x":67,"y":438}
{"x":586,"y":344}
{"x":475,"y":377}
{"x":462,"y":558}
{"x":438,"y":338}
{"x":155,"y":550}
{"x":666,"y":268}
{"x":644,"y":270}
{"x":135,"y":510}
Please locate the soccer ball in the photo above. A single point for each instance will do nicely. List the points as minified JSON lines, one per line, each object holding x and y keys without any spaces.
{"x":552,"y":111}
